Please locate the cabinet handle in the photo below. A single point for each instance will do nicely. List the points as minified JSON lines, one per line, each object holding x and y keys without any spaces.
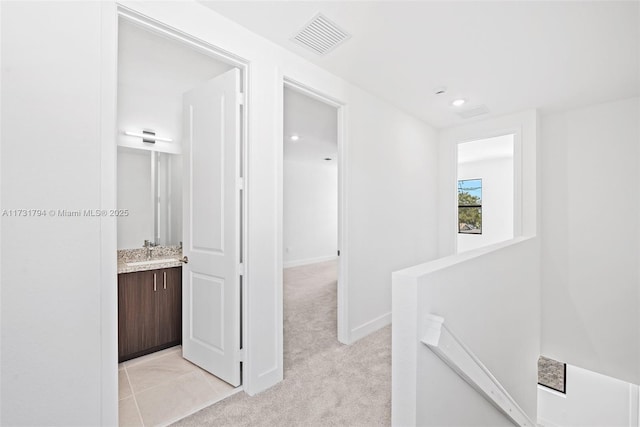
{"x":165,"y":279}
{"x":154,"y":282}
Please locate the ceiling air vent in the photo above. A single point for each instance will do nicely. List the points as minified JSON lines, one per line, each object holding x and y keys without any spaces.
{"x":474,"y":111}
{"x":321,"y":35}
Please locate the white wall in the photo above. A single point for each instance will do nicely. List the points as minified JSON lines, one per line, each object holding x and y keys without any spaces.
{"x":310,"y":211}
{"x":389,"y":160}
{"x":390,"y":157}
{"x":497,"y":201}
{"x":490,"y":300}
{"x":592,"y":400}
{"x":47,"y":303}
{"x":489,"y":297}
{"x":524,"y":127}
{"x":591,"y":238}
{"x":391,"y":199}
{"x":53,"y":340}
{"x":153,"y":73}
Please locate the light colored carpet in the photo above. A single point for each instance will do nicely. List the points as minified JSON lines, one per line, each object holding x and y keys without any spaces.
{"x":326,"y":383}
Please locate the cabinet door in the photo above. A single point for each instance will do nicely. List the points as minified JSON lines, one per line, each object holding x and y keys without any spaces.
{"x":170,"y":306}
{"x":137,"y":314}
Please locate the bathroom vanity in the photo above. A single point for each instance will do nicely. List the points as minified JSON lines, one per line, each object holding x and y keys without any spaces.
{"x":149,"y":305}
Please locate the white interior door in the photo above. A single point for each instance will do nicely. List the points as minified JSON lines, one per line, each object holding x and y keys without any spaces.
{"x":211,"y":227}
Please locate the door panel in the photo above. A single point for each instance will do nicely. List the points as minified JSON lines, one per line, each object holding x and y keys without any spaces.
{"x":211,"y":226}
{"x":208,"y":325}
{"x":208,"y":174}
{"x":169,"y":283}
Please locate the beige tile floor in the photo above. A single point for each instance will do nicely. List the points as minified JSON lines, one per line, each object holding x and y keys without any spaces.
{"x":160,"y":388}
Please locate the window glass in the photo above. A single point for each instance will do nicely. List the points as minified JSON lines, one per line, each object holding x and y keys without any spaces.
{"x":470,"y":206}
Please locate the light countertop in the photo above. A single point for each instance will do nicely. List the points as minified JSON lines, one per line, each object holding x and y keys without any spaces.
{"x":169,"y":255}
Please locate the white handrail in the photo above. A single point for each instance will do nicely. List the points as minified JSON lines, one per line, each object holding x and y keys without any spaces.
{"x":459,"y":358}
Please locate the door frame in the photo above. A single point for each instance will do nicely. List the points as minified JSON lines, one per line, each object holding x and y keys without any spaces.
{"x":111,"y":12}
{"x":341,"y":111}
{"x":517,"y":175}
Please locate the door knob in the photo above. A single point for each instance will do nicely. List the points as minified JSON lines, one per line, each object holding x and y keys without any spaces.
{"x":185,"y":259}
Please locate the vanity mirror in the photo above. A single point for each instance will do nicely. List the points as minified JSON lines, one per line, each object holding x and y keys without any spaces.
{"x":150,"y":188}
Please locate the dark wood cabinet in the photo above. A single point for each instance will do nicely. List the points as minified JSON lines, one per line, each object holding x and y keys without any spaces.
{"x":149,"y":311}
{"x":137,"y":314}
{"x":170,"y":307}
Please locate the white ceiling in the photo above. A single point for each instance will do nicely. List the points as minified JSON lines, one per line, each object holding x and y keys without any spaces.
{"x":315,"y":122}
{"x":509,"y":55}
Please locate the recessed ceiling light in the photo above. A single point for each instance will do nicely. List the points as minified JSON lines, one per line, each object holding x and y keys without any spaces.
{"x":458,"y":102}
{"x":295,"y":137}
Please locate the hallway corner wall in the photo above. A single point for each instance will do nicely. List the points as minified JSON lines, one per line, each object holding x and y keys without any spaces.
{"x":591,"y":238}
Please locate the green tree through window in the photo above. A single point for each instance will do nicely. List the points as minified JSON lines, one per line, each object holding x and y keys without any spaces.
{"x":470,"y":206}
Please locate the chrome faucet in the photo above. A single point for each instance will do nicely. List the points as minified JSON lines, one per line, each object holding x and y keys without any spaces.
{"x":149,"y":246}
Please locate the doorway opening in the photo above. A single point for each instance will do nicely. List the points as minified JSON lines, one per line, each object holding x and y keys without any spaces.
{"x":486,"y":192}
{"x":180,"y":156}
{"x":311,"y":239}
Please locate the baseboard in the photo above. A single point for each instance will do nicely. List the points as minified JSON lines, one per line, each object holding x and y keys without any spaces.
{"x":301,"y":262}
{"x":263,"y":381}
{"x":369,"y":327}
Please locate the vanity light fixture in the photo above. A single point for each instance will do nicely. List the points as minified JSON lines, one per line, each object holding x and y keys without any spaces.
{"x":458,"y":102}
{"x":148,"y":136}
{"x":295,"y":137}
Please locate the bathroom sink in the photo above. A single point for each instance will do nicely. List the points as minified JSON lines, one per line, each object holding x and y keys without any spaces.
{"x":151,"y":262}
